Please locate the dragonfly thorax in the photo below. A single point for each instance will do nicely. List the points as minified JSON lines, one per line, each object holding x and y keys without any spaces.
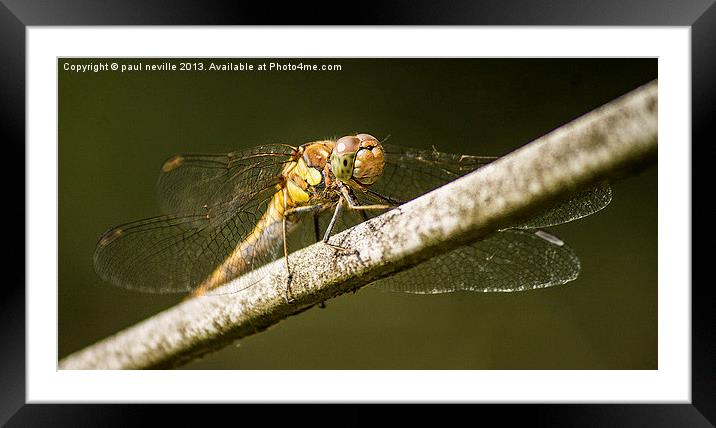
{"x":319,"y":167}
{"x":305,"y":177}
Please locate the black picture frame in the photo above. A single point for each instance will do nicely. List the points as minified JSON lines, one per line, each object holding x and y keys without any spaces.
{"x":16,"y":15}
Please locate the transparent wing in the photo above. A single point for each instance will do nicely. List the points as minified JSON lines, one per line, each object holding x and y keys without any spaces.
{"x":189,"y":183}
{"x":510,"y":260}
{"x":171,"y":254}
{"x":214,"y":202}
{"x":582,"y":204}
{"x":410,"y":173}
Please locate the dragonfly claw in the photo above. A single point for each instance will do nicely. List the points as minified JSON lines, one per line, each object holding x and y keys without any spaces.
{"x":289,"y":299}
{"x":342,"y":249}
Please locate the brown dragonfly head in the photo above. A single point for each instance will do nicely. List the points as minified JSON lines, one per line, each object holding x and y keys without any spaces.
{"x":358,"y":157}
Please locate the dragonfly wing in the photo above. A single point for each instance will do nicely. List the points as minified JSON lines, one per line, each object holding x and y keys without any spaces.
{"x":189,"y":183}
{"x":410,"y":173}
{"x":582,"y":204}
{"x":510,"y":260}
{"x":214,"y":202}
{"x":171,"y":254}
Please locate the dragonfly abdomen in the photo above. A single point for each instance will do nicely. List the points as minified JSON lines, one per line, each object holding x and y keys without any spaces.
{"x":264,"y":237}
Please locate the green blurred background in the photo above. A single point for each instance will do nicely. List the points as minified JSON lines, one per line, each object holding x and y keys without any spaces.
{"x":116,"y":129}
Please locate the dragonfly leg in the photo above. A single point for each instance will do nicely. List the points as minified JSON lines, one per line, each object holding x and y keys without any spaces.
{"x":352,"y":204}
{"x":287,"y":213}
{"x":315,"y":209}
{"x":329,"y":229}
{"x":384,"y":198}
{"x":370,"y":207}
{"x":288,"y":297}
{"x":289,"y":275}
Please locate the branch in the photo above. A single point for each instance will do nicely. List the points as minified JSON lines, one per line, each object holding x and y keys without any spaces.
{"x":606,"y":143}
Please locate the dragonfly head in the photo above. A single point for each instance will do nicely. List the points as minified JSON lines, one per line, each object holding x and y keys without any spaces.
{"x":358,"y":157}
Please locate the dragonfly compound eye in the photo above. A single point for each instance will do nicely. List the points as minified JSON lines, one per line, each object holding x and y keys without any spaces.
{"x":370,"y":160}
{"x":343,"y":157}
{"x":359,"y":157}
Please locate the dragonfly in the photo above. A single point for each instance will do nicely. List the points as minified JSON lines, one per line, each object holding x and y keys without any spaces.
{"x":229,"y":215}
